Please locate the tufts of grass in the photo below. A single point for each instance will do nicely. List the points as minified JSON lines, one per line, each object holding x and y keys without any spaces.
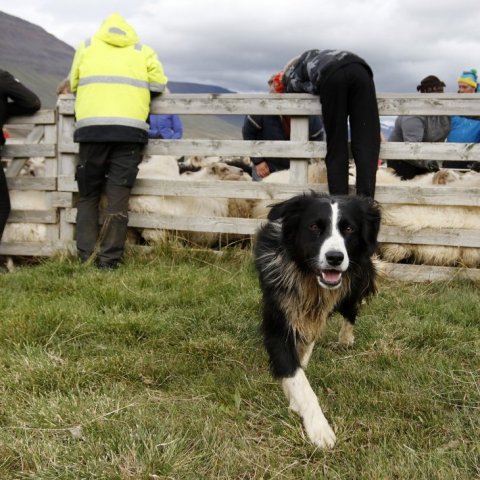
{"x":157,"y":370}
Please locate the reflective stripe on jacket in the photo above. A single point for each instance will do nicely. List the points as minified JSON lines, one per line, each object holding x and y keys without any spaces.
{"x":112,"y":76}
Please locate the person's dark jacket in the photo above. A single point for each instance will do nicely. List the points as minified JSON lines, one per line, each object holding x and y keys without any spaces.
{"x":15,"y":99}
{"x":271,"y":127}
{"x":308,"y":72}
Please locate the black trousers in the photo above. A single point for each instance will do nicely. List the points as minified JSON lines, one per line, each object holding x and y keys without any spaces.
{"x":111,"y":167}
{"x":348,"y":95}
{"x":4,"y":201}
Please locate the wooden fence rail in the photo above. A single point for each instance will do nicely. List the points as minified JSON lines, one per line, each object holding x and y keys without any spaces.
{"x":52,"y":138}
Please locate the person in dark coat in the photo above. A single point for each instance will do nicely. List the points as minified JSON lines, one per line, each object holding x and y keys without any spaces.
{"x":15,"y":99}
{"x":344,"y":82}
{"x":274,"y":127}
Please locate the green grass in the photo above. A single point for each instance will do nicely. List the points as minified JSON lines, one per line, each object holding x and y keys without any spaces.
{"x":157,"y":371}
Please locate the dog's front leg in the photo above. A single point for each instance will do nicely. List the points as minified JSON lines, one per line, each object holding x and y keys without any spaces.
{"x":304,"y":351}
{"x":304,"y":401}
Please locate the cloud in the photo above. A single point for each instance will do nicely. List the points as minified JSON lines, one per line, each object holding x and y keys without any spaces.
{"x":238,"y":45}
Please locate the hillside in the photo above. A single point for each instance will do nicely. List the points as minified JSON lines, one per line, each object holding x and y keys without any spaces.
{"x":33,"y":55}
{"x":41,"y":61}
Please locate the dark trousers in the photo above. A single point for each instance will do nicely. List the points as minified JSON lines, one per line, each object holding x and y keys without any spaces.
{"x":111,"y":167}
{"x":348,"y":94}
{"x":4,"y":201}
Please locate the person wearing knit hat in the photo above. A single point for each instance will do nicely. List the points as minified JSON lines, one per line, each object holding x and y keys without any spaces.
{"x":419,"y":128}
{"x":431,"y":84}
{"x":465,"y":129}
{"x":468,"y":82}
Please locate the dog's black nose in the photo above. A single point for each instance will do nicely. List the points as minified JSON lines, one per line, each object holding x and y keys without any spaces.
{"x":334,"y":258}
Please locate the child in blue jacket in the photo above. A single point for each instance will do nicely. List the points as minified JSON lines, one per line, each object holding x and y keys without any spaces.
{"x":165,"y":126}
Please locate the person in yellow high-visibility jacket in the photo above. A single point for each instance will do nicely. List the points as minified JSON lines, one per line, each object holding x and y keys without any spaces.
{"x":113,"y":77}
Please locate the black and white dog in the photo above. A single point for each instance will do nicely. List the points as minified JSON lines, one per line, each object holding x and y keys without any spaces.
{"x":313,"y":257}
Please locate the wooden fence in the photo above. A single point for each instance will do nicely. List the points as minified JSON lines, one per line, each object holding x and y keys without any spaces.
{"x":52,"y":138}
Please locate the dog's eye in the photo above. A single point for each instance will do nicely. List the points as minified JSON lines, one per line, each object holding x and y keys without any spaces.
{"x":314,"y":227}
{"x":348,"y":230}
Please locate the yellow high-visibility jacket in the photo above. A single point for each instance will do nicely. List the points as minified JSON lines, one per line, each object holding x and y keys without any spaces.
{"x":112,"y":76}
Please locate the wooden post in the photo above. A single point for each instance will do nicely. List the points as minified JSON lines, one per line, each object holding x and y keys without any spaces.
{"x":299,"y":167}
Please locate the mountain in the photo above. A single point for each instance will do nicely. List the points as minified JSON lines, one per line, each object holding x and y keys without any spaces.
{"x":33,"y":55}
{"x":41,"y":61}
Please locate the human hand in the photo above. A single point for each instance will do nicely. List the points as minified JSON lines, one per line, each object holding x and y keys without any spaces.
{"x":262,"y":169}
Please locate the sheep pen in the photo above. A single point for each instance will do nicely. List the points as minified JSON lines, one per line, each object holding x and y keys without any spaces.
{"x":235,"y":209}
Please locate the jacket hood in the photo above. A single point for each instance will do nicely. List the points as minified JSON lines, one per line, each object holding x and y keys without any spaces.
{"x":116,"y":31}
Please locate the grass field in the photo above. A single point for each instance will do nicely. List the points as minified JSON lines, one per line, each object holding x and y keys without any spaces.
{"x":157,"y":371}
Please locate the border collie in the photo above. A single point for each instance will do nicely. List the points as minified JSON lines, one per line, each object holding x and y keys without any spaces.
{"x":313,"y":257}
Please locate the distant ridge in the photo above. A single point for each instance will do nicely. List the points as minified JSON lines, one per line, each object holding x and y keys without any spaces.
{"x":35,"y":56}
{"x":187,"y":87}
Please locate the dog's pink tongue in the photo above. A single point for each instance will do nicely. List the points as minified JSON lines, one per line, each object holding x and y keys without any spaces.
{"x":331,"y":276}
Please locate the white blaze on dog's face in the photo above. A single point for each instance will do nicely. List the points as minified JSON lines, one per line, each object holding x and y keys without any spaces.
{"x":333,"y":258}
{"x":319,"y":239}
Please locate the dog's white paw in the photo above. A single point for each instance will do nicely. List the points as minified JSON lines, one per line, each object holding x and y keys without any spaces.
{"x":304,"y":401}
{"x":320,"y":433}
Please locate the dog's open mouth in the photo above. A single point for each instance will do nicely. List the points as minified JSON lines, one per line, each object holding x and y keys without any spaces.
{"x":330,"y":278}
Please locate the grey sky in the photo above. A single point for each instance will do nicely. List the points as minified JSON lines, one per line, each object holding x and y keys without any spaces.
{"x":239,"y":44}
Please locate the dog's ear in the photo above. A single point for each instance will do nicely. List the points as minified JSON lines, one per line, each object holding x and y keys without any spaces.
{"x":287,"y":207}
{"x":371,"y":225}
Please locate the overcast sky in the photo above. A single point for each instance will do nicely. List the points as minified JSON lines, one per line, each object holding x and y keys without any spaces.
{"x":238,"y":44}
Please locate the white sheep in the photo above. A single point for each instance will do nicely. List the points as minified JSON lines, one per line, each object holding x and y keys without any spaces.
{"x":189,"y":206}
{"x":316,"y":174}
{"x":196,"y":162}
{"x":413,"y":218}
{"x":26,"y":232}
{"x":387,"y":176}
{"x":158,"y":166}
{"x":34,"y":167}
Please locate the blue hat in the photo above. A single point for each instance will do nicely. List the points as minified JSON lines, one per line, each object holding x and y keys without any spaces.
{"x":469,"y":77}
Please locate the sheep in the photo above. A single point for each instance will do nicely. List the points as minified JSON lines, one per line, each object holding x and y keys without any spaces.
{"x":316,"y":174}
{"x":158,"y":166}
{"x":151,"y":167}
{"x":28,"y":200}
{"x":387,"y":176}
{"x":34,"y":167}
{"x":413,"y":218}
{"x":26,"y":232}
{"x":190,"y":206}
{"x":196,"y":162}
{"x":237,"y":207}
{"x":219,"y":171}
